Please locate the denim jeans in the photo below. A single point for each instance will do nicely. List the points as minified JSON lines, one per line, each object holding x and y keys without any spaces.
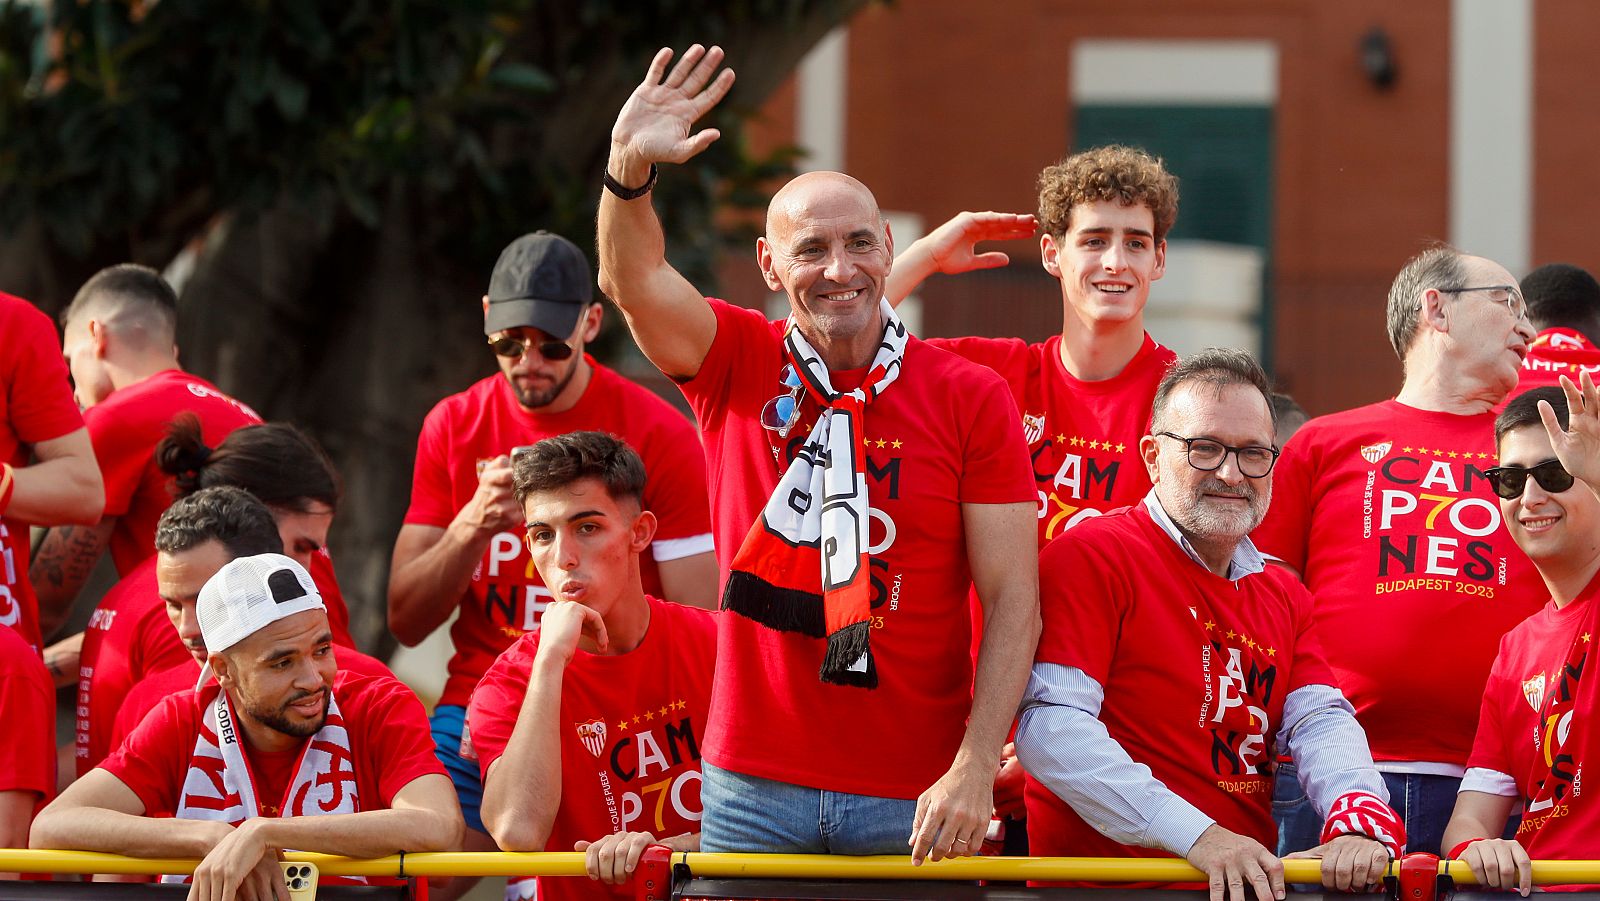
{"x":1424,"y":802}
{"x":747,"y":813}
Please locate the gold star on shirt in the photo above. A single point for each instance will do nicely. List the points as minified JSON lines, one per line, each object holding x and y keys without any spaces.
{"x":882,"y":443}
{"x":1586,"y":637}
{"x":1211,"y":625}
{"x":1076,"y":441}
{"x":623,"y":725}
{"x":649,"y":715}
{"x":1232,"y":635}
{"x":680,"y":704}
{"x":1405,"y":450}
{"x":1272,"y":652}
{"x":1121,"y":447}
{"x":665,"y":711}
{"x":636,"y":720}
{"x":1453,"y":455}
{"x":897,"y":444}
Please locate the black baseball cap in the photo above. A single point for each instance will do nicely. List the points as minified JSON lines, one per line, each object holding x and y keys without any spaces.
{"x":541,"y":280}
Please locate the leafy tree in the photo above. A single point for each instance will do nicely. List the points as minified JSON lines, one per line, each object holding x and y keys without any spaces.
{"x":341,"y":176}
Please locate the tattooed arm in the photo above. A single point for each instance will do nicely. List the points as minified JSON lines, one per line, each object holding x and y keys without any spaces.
{"x":63,"y":563}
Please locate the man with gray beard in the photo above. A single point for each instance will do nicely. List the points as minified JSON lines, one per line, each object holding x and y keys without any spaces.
{"x":1175,"y":666}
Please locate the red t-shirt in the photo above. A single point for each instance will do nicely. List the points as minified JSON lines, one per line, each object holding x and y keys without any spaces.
{"x":945,"y":433}
{"x":506,"y":596}
{"x":148,"y":692}
{"x":1194,"y":666}
{"x":1385,"y":512}
{"x":1513,"y":725}
{"x":28,"y":709}
{"x":1557,"y":352}
{"x":390,"y":746}
{"x":35,"y":405}
{"x":130,"y":637}
{"x":126,"y":427}
{"x":1083,"y":436}
{"x":630,"y":728}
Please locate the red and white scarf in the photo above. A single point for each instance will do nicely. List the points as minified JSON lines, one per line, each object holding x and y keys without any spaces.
{"x":804,"y":565}
{"x":220,"y":786}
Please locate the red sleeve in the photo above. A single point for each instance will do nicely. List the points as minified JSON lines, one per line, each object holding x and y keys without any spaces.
{"x":27,"y":708}
{"x":492,"y":712}
{"x":430,"y":481}
{"x":38,"y":394}
{"x":121,"y":451}
{"x":995,"y":469}
{"x":1286,"y":530}
{"x":398,"y":741}
{"x":739,"y":332}
{"x":1310,"y":665}
{"x":1489,"y":749}
{"x":153,"y":759}
{"x":675,"y":490}
{"x":1083,"y":600}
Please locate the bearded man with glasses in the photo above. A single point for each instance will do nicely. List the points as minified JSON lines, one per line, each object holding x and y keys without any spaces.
{"x":1386,"y":513}
{"x":1176,"y":666}
{"x":1535,"y":728}
{"x":461,"y":545}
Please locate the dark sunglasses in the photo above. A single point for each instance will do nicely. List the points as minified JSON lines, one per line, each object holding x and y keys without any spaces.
{"x":1508,"y":481}
{"x":554,"y":351}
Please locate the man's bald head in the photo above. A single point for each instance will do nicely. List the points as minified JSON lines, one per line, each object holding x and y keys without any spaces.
{"x":807,"y":194}
{"x":133,"y":302}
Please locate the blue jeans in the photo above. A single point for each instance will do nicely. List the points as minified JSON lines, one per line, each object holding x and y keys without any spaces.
{"x":746,"y":813}
{"x":1424,"y":802}
{"x":447,"y":723}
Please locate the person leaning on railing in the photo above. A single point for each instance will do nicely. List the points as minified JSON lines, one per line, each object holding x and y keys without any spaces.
{"x":1535,"y":728}
{"x":283,"y":752}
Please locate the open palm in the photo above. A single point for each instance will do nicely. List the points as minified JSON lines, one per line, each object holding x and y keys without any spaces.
{"x":654,"y":125}
{"x":1578,"y":445}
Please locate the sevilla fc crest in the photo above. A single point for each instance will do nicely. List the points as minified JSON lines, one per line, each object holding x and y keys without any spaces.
{"x":593,"y":736}
{"x":1533,"y":690}
{"x":1372,"y":453}
{"x":1032,"y":427}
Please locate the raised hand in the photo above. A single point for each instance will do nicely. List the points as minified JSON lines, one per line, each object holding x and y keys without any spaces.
{"x":562,"y":624}
{"x":1578,"y":445}
{"x":654,"y":124}
{"x":952,"y":247}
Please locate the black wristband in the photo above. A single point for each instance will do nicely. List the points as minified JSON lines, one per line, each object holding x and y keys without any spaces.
{"x":626,"y":193}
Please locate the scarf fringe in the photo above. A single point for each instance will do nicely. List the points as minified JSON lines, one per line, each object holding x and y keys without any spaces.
{"x":784,"y":609}
{"x":845,"y":647}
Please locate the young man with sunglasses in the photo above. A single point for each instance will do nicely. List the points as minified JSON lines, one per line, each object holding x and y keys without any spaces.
{"x":461,"y":546}
{"x":845,"y":716}
{"x":1535,"y":728}
{"x":1176,"y":666}
{"x":1387,"y":515}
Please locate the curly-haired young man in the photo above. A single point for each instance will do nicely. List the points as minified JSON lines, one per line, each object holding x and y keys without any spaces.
{"x":1085,"y":394}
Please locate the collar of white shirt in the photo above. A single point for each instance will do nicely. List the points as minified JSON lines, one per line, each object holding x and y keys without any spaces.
{"x":1246,"y":559}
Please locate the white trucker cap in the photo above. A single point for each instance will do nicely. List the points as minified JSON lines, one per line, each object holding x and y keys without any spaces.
{"x":248,"y":595}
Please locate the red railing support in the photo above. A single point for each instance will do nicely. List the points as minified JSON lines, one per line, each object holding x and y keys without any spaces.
{"x":652,"y":879}
{"x":1419,"y":877}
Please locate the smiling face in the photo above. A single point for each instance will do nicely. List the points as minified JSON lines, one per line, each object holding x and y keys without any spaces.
{"x":179,"y":577}
{"x":828,"y":248}
{"x":585,"y":543}
{"x":282,"y":675}
{"x":1106,"y":260}
{"x":1549,"y":526}
{"x":1222,"y":505}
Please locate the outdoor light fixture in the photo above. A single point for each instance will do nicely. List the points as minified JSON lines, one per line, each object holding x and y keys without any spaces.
{"x":1377,"y":58}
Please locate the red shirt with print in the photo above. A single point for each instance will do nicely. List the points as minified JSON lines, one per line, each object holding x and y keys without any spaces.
{"x":28,"y":709}
{"x":1194,"y":667}
{"x":35,"y":405}
{"x":506,"y":596}
{"x":1083,"y":437}
{"x":130,"y":637}
{"x":944,"y":434}
{"x":390,"y":747}
{"x":149,"y":691}
{"x":1386,"y":513}
{"x":1514,"y":725}
{"x":125,"y":429}
{"x":1557,"y":352}
{"x":630,"y":734}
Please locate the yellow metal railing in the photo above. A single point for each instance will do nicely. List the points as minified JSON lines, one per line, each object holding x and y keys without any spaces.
{"x":757,"y":866}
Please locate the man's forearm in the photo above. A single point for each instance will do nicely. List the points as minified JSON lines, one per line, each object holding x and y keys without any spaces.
{"x":424,"y":589}
{"x":65,"y":490}
{"x":111,"y":831}
{"x":1328,"y":746}
{"x":523,"y":791}
{"x":1010,"y":635}
{"x":65,"y":559}
{"x":371,"y":833}
{"x":629,"y":238}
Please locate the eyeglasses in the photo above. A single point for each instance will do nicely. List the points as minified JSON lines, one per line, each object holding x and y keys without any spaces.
{"x":782,"y":412}
{"x":1206,"y":455}
{"x":1508,"y":481}
{"x":512,"y":348}
{"x":1512,"y":297}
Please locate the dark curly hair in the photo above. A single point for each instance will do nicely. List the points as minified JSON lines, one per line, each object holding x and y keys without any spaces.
{"x":1126,"y":175}
{"x":279,"y":464}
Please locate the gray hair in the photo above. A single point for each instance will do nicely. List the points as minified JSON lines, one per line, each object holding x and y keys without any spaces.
{"x":1439,"y":266}
{"x":1217,"y":367}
